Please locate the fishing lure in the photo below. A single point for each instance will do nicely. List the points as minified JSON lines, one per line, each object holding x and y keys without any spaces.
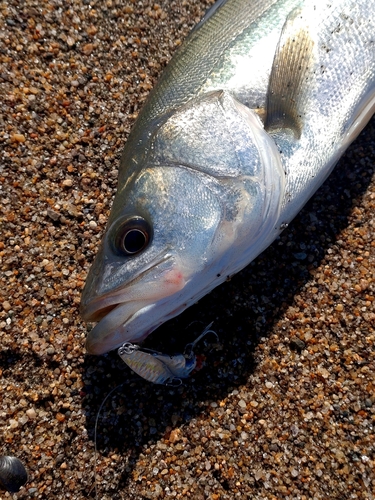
{"x":160,"y":368}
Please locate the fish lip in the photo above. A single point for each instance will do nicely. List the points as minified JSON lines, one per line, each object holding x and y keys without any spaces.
{"x":96,"y":347}
{"x":97,"y":315}
{"x":93,"y":310}
{"x":113,"y":338}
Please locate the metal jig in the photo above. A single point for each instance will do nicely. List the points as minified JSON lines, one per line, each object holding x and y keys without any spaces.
{"x":160,"y":368}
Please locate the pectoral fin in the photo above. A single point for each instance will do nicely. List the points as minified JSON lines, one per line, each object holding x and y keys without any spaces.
{"x":291,"y":72}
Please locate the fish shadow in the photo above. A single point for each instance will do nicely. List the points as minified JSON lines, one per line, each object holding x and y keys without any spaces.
{"x":244,"y":310}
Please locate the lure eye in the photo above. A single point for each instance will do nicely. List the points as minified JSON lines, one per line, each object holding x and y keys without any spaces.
{"x":133,"y":236}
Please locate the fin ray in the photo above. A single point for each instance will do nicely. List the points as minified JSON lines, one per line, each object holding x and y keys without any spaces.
{"x":292,"y":68}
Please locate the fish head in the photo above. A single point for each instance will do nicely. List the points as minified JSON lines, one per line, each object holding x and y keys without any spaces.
{"x":197,"y":195}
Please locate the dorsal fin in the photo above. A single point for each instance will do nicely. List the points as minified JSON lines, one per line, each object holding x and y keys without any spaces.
{"x":292,"y":68}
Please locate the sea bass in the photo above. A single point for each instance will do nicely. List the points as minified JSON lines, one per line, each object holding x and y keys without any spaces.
{"x":245,"y":124}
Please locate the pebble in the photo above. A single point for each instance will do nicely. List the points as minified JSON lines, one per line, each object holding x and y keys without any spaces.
{"x":13,"y":423}
{"x":18,"y":138}
{"x":31,"y":413}
{"x":284,"y":409}
{"x":297,"y":343}
{"x":6,"y":305}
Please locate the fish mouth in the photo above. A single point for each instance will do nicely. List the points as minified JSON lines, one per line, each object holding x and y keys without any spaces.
{"x":132,"y":312}
{"x":95,"y":304}
{"x":141,"y":320}
{"x":99,"y":314}
{"x":117,"y":326}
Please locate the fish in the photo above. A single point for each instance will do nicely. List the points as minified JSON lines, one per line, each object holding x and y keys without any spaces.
{"x":247,"y":121}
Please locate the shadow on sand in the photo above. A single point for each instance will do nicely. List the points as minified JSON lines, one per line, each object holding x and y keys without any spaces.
{"x":244,"y":310}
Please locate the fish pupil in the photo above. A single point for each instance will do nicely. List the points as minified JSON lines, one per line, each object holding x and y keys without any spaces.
{"x":134,"y":241}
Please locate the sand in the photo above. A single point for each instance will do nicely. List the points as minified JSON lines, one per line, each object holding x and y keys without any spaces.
{"x":284,"y":404}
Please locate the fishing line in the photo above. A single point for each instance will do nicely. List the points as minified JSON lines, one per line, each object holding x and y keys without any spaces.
{"x":95,"y":437}
{"x":158,"y":368}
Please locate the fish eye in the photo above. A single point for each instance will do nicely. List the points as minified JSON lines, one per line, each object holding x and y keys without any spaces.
{"x":132,"y":236}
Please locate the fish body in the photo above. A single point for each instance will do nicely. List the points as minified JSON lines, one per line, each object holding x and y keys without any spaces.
{"x":245,"y":124}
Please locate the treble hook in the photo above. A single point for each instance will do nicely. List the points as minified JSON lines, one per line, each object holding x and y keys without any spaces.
{"x":188,"y":352}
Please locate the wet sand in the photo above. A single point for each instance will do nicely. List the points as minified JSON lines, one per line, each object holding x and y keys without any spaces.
{"x":284,"y":405}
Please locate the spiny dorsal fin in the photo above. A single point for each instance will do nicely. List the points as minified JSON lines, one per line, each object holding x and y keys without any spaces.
{"x":292,"y":68}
